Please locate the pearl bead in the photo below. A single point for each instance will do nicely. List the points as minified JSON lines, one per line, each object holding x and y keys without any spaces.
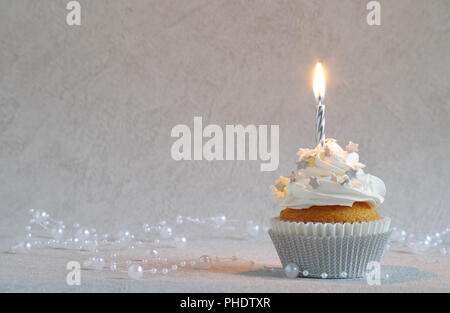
{"x":83,"y":233}
{"x":146,"y":228}
{"x":57,"y":232}
{"x":420,"y":247}
{"x":22,"y":247}
{"x":410,"y":240}
{"x":124,"y":235}
{"x":305,"y":273}
{"x":180,"y":242}
{"x":398,"y":235}
{"x":174,"y":267}
{"x":220,"y":220}
{"x":291,"y":270}
{"x":135,"y":271}
{"x":87,"y":263}
{"x":179,"y":220}
{"x":252,"y":228}
{"x":165,"y":232}
{"x":192,"y":263}
{"x":153,"y":270}
{"x":113,"y":266}
{"x":165,"y":271}
{"x":183,"y":263}
{"x":91,"y":245}
{"x":323,"y":275}
{"x":99,"y":264}
{"x":205,"y":258}
{"x":443,"y":251}
{"x":40,"y":216}
{"x":205,"y":261}
{"x":344,"y":275}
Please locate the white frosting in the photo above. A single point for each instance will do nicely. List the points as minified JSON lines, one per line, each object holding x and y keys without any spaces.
{"x":333,"y":168}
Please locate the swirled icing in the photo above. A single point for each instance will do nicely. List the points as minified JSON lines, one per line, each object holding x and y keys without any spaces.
{"x":328,"y":175}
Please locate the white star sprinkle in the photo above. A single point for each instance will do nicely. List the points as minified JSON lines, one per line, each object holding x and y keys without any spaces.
{"x":302,"y":164}
{"x":313,"y":182}
{"x":292,"y":177}
{"x":344,"y":180}
{"x":351,"y":147}
{"x":327,"y":151}
{"x":351,"y":173}
{"x":279,"y":186}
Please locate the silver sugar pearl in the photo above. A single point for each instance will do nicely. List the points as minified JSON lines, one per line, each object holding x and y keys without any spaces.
{"x":291,"y":270}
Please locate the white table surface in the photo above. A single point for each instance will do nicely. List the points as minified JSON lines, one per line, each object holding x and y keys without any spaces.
{"x":45,"y":271}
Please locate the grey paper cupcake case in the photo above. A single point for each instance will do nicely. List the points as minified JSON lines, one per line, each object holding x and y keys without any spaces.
{"x":332,"y":255}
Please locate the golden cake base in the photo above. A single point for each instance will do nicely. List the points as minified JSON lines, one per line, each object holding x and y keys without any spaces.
{"x":358,"y":213}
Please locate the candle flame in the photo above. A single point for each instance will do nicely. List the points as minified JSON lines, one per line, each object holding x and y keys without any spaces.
{"x":319,"y":83}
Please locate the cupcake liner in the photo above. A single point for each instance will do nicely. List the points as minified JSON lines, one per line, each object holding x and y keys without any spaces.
{"x":332,"y":255}
{"x":331,"y":229}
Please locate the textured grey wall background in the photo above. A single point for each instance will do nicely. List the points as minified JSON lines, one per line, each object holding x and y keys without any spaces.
{"x":86,"y":112}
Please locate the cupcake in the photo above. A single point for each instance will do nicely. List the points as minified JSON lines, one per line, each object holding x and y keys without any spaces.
{"x":329,"y":226}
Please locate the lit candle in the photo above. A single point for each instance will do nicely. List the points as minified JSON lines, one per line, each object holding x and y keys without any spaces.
{"x":319,"y":94}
